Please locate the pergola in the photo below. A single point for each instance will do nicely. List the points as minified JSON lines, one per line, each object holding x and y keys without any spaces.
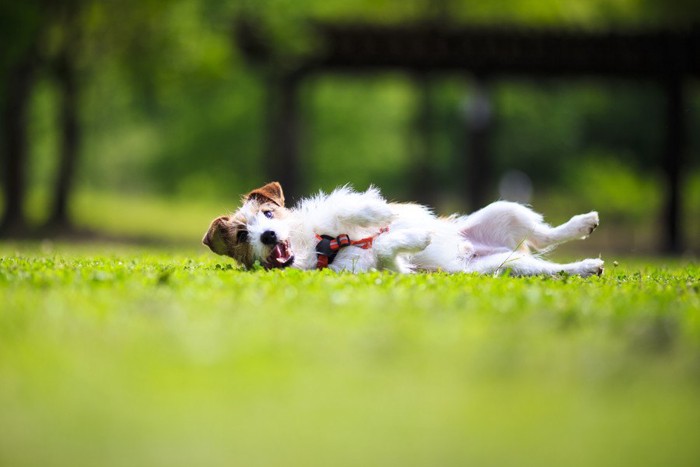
{"x":665,"y":57}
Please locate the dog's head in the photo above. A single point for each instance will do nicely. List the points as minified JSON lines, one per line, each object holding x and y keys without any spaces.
{"x":258,"y":231}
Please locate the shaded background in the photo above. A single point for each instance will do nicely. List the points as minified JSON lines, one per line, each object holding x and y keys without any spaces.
{"x":142,"y":120}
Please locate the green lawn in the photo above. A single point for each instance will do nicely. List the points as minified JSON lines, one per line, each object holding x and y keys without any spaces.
{"x":134,"y":357}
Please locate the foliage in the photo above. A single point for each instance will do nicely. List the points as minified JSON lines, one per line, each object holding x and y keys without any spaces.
{"x":168,"y":105}
{"x":619,"y":194}
{"x":19,"y":23}
{"x":548,"y":128}
{"x":153,"y":357}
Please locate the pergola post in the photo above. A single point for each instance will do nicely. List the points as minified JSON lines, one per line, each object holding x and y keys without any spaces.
{"x":283,"y":135}
{"x":422,"y":173}
{"x":672,"y":163}
{"x":479,"y":122}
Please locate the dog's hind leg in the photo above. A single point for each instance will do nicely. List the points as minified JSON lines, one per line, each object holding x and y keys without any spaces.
{"x":521,"y":264}
{"x":578,"y":227}
{"x":514,"y":226}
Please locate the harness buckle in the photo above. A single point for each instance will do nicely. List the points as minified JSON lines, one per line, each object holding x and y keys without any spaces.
{"x":343,"y":240}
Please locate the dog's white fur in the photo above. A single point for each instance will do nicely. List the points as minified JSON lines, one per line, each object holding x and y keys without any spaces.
{"x":497,"y":238}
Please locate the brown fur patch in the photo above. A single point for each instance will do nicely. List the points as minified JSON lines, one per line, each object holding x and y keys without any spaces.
{"x":270,"y":192}
{"x":222,"y":239}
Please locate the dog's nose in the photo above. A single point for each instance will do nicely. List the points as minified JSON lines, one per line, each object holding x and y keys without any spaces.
{"x":268,"y":237}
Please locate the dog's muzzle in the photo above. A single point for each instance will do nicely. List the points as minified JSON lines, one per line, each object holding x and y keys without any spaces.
{"x":281,"y":256}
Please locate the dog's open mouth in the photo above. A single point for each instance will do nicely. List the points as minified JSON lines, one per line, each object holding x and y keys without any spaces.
{"x":281,"y":256}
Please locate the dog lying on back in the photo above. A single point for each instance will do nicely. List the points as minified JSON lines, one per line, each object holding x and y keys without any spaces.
{"x":355,"y":231}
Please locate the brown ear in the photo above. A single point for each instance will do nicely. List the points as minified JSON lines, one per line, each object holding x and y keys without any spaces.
{"x":270,"y":192}
{"x":214,"y":238}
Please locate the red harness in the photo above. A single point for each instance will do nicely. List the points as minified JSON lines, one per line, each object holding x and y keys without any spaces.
{"x":327,"y":247}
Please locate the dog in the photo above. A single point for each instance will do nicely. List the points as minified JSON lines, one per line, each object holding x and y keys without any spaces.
{"x":347,"y":230}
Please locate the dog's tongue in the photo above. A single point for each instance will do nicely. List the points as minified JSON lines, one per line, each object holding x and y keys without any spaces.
{"x":280,"y":254}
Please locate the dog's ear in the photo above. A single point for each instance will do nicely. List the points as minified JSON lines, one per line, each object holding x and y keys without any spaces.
{"x":270,"y":192}
{"x":214,"y":238}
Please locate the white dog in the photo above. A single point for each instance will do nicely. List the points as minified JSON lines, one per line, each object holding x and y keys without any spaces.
{"x":361,"y":231}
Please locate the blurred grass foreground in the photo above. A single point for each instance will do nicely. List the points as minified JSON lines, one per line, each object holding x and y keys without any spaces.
{"x":154,"y":358}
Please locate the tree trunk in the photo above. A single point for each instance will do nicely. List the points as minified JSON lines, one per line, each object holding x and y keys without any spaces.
{"x":69,"y":126}
{"x":19,"y":84}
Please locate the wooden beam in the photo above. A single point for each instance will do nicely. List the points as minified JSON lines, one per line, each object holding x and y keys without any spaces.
{"x":491,"y":50}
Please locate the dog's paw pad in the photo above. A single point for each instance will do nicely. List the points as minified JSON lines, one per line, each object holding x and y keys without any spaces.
{"x":586,"y":223}
{"x":591,"y":267}
{"x":594,"y":226}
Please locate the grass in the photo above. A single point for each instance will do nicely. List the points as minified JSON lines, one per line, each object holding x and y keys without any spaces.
{"x":152,"y":357}
{"x":137,"y":216}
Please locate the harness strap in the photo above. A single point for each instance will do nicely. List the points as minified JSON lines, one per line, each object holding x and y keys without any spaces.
{"x":327,"y":247}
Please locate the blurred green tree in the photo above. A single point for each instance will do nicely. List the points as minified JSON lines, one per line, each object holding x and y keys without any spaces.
{"x":21,"y":26}
{"x":152,"y":92}
{"x":67,"y":41}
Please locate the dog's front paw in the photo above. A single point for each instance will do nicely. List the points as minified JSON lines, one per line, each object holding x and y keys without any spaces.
{"x":420,"y":239}
{"x":585,"y":224}
{"x":378,"y":214}
{"x":410,"y":240}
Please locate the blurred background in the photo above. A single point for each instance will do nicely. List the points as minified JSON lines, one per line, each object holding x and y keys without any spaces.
{"x":141,"y":120}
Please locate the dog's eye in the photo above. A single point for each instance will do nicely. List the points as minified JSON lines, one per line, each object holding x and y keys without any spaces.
{"x":242,"y":236}
{"x":268,"y":214}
